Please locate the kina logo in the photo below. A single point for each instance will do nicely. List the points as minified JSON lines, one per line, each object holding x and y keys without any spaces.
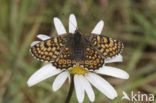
{"x":138,"y":96}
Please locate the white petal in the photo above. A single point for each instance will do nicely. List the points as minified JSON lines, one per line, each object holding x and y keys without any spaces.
{"x":43,"y":37}
{"x":87,"y":87}
{"x":59,"y":81}
{"x":72,"y":23}
{"x":117,"y":58}
{"x":78,"y":89}
{"x":34,"y":43}
{"x":98,"y":28}
{"x":59,"y":26}
{"x":111,"y":71}
{"x":102,"y":85}
{"x":42,"y":74}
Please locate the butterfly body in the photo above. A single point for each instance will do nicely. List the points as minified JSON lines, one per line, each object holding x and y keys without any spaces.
{"x":77,"y":46}
{"x":87,"y":50}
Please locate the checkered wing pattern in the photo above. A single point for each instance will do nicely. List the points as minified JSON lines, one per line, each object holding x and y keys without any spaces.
{"x":49,"y":49}
{"x":65,"y":60}
{"x":92,"y":60}
{"x":107,"y":47}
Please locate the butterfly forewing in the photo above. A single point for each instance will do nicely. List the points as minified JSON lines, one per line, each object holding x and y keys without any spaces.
{"x":107,"y":47}
{"x":49,"y":49}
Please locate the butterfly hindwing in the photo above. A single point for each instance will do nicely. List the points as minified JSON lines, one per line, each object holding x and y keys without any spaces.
{"x":65,"y":59}
{"x":48,"y":50}
{"x":107,"y":47}
{"x":92,"y":60}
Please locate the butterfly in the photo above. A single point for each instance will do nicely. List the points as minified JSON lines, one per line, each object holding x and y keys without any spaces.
{"x":67,"y":50}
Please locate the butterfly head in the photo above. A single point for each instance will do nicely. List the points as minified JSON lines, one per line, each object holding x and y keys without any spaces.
{"x":77,"y":36}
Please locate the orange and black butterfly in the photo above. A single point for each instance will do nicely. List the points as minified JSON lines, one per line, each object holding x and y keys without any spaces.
{"x":87,"y":50}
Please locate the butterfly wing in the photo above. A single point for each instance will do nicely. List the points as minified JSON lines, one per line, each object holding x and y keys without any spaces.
{"x":65,"y":60}
{"x":49,"y":50}
{"x":92,"y":60}
{"x":106,"y":46}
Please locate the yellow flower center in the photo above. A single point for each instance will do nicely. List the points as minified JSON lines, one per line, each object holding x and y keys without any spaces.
{"x":78,"y":70}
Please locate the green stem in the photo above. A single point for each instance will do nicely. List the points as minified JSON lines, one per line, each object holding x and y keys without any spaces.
{"x":70,"y":90}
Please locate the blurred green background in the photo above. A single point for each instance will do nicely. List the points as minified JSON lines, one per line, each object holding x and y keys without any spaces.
{"x":131,"y":21}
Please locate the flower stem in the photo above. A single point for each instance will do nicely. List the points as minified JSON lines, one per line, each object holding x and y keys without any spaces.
{"x":70,"y":90}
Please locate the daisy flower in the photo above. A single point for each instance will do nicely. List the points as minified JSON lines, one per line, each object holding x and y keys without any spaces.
{"x":83,"y":79}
